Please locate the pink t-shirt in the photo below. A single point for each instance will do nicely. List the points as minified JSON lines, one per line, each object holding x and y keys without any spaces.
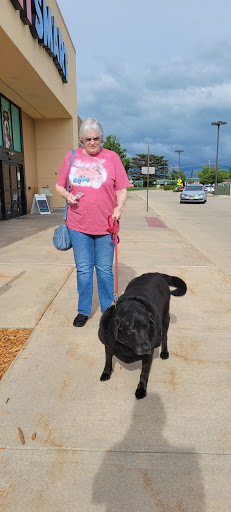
{"x":98,"y":177}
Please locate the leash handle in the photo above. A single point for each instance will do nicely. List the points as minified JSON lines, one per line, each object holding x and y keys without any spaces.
{"x":112,"y":229}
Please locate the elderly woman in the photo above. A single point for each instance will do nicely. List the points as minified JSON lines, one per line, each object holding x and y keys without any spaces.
{"x":99,"y":175}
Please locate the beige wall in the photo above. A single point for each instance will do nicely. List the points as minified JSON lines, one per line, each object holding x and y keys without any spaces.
{"x":54,"y":138}
{"x":30,"y":158}
{"x":45,"y":145}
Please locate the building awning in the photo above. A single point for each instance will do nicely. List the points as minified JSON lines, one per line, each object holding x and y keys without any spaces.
{"x":20,"y":81}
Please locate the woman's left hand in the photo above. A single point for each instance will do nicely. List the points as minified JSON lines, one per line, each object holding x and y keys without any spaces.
{"x":117,"y":212}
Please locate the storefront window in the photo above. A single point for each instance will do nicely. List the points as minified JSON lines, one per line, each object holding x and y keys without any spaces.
{"x":10,"y":133}
{"x":16,"y":128}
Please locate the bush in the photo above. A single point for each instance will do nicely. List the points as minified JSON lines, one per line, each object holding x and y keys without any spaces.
{"x":169,"y":187}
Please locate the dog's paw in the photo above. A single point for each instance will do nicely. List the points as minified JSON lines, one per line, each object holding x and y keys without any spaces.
{"x":140,"y":393}
{"x":164,"y":354}
{"x":105,"y":376}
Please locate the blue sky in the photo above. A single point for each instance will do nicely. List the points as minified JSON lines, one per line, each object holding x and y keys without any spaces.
{"x":156,"y":73}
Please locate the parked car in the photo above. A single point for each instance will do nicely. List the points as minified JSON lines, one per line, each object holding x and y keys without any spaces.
{"x":210,"y":188}
{"x":193,"y":194}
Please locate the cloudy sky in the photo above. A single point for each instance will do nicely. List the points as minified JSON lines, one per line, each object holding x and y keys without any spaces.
{"x":156,"y":73}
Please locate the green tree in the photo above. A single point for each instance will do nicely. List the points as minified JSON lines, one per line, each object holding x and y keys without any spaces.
{"x":174,"y":175}
{"x":141,"y":160}
{"x":112,"y":143}
{"x":208,"y":175}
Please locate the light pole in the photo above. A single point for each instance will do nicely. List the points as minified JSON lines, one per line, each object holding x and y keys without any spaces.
{"x":218,"y":126}
{"x":179,"y":151}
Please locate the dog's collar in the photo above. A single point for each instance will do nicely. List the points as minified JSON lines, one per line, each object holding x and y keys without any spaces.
{"x":146,"y":303}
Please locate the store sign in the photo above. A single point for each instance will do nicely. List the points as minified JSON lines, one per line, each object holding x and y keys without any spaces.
{"x":43,"y":27}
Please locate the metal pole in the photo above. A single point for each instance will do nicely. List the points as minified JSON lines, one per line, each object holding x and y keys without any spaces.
{"x":179,"y":151}
{"x":218,"y":126}
{"x":148,"y":178}
{"x":218,"y":123}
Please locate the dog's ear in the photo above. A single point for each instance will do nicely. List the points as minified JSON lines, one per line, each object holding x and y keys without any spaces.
{"x":117,"y":323}
{"x":156,"y":323}
{"x":158,"y":327}
{"x":106,"y":317}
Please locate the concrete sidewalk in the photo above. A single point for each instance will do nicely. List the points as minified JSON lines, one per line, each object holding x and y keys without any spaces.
{"x":96,"y":447}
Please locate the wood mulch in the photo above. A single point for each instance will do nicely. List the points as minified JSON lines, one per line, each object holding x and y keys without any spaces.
{"x":11,"y":342}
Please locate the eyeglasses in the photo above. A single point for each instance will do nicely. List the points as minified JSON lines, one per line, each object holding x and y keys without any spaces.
{"x":95,"y":139}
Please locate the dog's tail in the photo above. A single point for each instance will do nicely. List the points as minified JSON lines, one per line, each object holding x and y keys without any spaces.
{"x":179,"y":284}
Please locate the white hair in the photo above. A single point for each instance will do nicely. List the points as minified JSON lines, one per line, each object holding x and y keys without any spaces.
{"x":90,"y":123}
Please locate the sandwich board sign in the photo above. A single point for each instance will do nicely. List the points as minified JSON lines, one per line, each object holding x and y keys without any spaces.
{"x":40,"y":204}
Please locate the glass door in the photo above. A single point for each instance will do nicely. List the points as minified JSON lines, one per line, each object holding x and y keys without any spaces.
{"x":1,"y":198}
{"x":13,"y":201}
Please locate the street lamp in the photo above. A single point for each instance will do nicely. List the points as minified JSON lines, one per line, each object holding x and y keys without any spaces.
{"x":179,"y":151}
{"x":218,"y":126}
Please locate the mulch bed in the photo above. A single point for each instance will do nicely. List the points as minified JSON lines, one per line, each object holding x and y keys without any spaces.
{"x":11,"y":342}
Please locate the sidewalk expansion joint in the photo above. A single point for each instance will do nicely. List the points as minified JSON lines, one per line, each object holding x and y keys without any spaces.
{"x":61,"y":287}
{"x":18,"y":263}
{"x":172,"y":266}
{"x":131,"y":452}
{"x":153,"y":240}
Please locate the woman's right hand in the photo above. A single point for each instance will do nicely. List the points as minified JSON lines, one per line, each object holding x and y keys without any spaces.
{"x":70,"y":199}
{"x":66,"y":195}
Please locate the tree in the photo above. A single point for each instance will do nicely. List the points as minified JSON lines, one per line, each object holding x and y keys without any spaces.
{"x":112,"y":143}
{"x":141,"y":160}
{"x":174,"y":175}
{"x":208,"y":175}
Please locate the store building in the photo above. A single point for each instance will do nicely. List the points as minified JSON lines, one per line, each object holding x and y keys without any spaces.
{"x":38,"y":101}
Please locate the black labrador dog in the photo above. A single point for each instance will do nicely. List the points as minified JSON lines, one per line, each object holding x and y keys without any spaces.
{"x":139,"y":323}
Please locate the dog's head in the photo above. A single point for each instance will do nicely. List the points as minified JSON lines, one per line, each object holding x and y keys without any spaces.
{"x":132,"y":324}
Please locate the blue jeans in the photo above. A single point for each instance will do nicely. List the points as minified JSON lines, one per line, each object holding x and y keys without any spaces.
{"x":93,"y":251}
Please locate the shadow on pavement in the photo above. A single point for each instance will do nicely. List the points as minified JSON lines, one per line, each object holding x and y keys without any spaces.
{"x":17,"y":229}
{"x":6,"y":287}
{"x":125,"y":274}
{"x":144,"y":472}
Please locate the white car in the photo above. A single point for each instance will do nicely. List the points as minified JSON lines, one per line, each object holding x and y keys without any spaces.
{"x":210,"y":188}
{"x":193,"y":194}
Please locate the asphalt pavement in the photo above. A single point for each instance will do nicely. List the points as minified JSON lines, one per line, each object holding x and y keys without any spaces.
{"x":90,"y":445}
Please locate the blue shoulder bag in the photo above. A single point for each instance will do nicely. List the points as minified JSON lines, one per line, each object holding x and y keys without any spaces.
{"x":61,"y":238}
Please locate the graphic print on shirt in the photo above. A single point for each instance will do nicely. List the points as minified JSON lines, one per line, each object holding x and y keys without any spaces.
{"x":88,"y":174}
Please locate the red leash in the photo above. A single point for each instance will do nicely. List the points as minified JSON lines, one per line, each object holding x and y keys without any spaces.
{"x":113,"y":231}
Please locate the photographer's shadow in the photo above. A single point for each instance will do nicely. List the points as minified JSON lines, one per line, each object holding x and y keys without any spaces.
{"x":145,"y":473}
{"x":126,"y":274}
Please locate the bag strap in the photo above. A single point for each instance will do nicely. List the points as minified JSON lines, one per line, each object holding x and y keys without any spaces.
{"x":71,"y":162}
